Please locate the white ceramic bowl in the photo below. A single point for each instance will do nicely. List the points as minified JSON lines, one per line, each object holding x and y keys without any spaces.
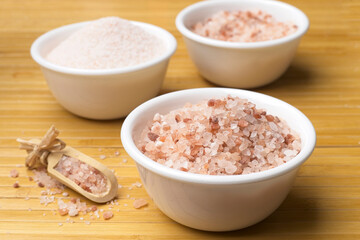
{"x":216,"y":203}
{"x":107,"y":93}
{"x":241,"y":65}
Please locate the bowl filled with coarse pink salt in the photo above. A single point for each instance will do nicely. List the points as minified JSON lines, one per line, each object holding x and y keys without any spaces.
{"x":103,"y":69}
{"x":241,"y":43}
{"x":217,"y":159}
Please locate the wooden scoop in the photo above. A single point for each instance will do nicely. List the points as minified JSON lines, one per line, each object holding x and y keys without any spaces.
{"x":48,"y":152}
{"x":112,"y":185}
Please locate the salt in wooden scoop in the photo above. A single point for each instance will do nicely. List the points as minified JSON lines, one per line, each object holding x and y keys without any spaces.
{"x":50,"y":150}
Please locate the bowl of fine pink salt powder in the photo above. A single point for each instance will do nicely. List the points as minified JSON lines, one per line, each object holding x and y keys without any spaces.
{"x":217,"y":159}
{"x":103,"y":69}
{"x":241,"y":43}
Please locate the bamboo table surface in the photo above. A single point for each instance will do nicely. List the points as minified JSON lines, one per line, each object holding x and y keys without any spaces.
{"x":323,"y":82}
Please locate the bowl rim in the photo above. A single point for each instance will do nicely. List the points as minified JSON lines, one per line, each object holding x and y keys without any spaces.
{"x":141,"y":159}
{"x":42,"y":61}
{"x":179,"y":22}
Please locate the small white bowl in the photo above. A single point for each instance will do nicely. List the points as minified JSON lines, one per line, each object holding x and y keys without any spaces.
{"x":236,"y":64}
{"x":216,"y":203}
{"x":105,"y":93}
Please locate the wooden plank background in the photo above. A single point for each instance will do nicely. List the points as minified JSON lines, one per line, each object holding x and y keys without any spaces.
{"x":323,"y":82}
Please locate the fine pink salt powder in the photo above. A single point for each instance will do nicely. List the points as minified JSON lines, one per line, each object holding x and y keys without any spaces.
{"x":87,"y":177}
{"x":243,"y":26}
{"x":106,"y":43}
{"x":224,"y":136}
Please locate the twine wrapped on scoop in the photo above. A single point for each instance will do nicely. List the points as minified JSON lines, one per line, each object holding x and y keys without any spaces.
{"x":39,"y":150}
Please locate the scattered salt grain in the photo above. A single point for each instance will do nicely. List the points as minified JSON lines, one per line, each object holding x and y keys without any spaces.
{"x":14,"y":173}
{"x":124,"y":160}
{"x":137,"y":184}
{"x":44,"y":180}
{"x":139,"y":203}
{"x":46,"y":200}
{"x":102,"y":157}
{"x":243,"y":26}
{"x":87,"y":222}
{"x":117,"y":153}
{"x":16,"y":185}
{"x":203,"y":138}
{"x":63,"y":211}
{"x":106,"y":43}
{"x":93,"y":208}
{"x":87,"y":177}
{"x":107,"y":215}
{"x":65,"y":194}
{"x":60,"y":224}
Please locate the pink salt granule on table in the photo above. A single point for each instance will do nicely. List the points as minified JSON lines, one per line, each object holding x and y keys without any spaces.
{"x":220,"y":136}
{"x":72,"y":207}
{"x":107,"y":215}
{"x":243,"y":26}
{"x":14,"y":173}
{"x":107,"y":43}
{"x":139,"y":203}
{"x":44,"y":180}
{"x":87,"y":177}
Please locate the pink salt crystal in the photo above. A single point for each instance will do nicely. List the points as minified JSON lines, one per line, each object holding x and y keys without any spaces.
{"x":16,"y":185}
{"x":46,"y":200}
{"x":243,"y":26}
{"x":73,"y":212}
{"x":137,"y":184}
{"x":87,"y":177}
{"x":43,"y":179}
{"x":14,"y":173}
{"x":139,"y":203}
{"x":107,"y":215}
{"x":93,"y":208}
{"x":106,"y":43}
{"x":224,"y":136}
{"x":63,"y":211}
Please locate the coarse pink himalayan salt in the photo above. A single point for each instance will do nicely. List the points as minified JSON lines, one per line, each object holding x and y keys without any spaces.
{"x":107,"y":215}
{"x":139,"y":203}
{"x":44,"y":180}
{"x":243,"y":26}
{"x":14,"y":173}
{"x":224,"y":136}
{"x":87,"y":177}
{"x":106,"y":43}
{"x":72,"y":207}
